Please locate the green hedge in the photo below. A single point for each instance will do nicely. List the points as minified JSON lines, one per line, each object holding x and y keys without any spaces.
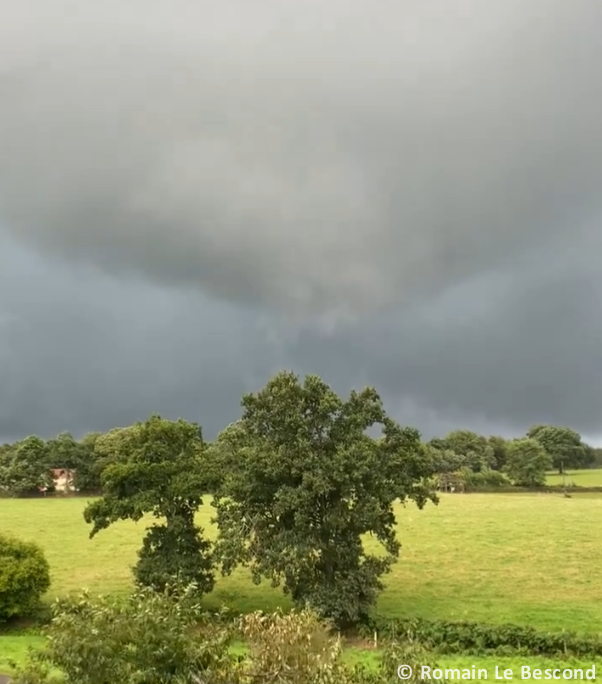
{"x":545,"y":489}
{"x":475,"y":638}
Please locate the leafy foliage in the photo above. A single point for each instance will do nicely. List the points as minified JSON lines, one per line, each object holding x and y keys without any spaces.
{"x":444,"y":460}
{"x":484,"y":479}
{"x":24,"y":577}
{"x":299,"y":647}
{"x":24,"y":467}
{"x":562,"y":444}
{"x":156,"y":467}
{"x":527,"y":462}
{"x":149,"y":638}
{"x":476,"y":638}
{"x":498,"y":448}
{"x":475,"y":449}
{"x":294,"y":648}
{"x":166,"y":639}
{"x":88,"y":470}
{"x":64,"y":451}
{"x":309,"y":483}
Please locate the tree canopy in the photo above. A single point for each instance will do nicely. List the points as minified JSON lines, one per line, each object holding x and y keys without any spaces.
{"x":156,"y":467}
{"x":309,"y":482}
{"x":527,"y":462}
{"x":24,"y":467}
{"x":562,"y":444}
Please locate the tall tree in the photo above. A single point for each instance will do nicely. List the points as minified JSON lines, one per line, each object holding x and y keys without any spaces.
{"x":563,"y":445}
{"x":157,"y":468}
{"x":498,"y":448}
{"x":309,"y":483}
{"x":527,"y":462}
{"x":475,"y":448}
{"x":444,"y":460}
{"x":24,"y":467}
{"x":87,"y":475}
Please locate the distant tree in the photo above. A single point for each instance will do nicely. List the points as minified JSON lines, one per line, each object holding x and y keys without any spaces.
{"x":475,"y":448}
{"x":562,"y":444}
{"x":63,"y":451}
{"x":5,"y":465}
{"x":534,"y":430}
{"x":157,"y":468}
{"x":527,"y":462}
{"x":597,"y":457}
{"x":309,"y":483}
{"x":24,"y":467}
{"x":589,"y":456}
{"x":445,"y":460}
{"x":498,"y":447}
{"x":87,"y":475}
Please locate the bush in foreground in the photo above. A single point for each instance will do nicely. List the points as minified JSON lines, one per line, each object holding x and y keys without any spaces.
{"x":24,"y":577}
{"x":476,"y":638}
{"x":149,"y":638}
{"x":165,"y":638}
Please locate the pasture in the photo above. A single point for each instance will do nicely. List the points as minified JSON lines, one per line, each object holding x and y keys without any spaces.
{"x":577,"y":478}
{"x":532,"y":559}
{"x":528,"y":559}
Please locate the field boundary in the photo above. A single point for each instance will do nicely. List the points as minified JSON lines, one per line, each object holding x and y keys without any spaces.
{"x":476,"y":638}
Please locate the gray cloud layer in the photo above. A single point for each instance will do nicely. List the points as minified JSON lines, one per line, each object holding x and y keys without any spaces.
{"x":406,"y":195}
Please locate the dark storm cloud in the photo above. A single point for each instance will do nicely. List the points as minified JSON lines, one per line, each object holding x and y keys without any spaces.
{"x":404,"y":194}
{"x":498,"y":354}
{"x":82,"y":352}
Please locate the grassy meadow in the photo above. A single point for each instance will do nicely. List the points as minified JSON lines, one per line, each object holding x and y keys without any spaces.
{"x":577,"y":478}
{"x":533,"y":559}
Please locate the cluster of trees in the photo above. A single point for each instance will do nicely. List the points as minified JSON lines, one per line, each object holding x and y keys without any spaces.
{"x":524,"y":461}
{"x":296,"y":484}
{"x":26,"y":466}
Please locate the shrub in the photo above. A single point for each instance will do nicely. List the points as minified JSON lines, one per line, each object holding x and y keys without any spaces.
{"x":24,"y":577}
{"x":154,"y":638}
{"x":300,"y":648}
{"x":293,"y":648}
{"x":486,"y":478}
{"x":476,"y":638}
{"x":150,"y":638}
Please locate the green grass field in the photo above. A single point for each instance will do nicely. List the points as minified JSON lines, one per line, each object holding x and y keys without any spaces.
{"x":577,"y":478}
{"x":527,"y":559}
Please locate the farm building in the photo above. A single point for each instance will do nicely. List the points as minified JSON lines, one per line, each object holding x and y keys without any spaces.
{"x":63,"y":479}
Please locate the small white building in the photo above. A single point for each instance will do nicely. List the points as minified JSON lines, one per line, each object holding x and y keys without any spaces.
{"x":63,"y":479}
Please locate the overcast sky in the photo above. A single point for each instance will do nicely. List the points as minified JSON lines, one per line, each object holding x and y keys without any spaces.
{"x":194,"y":195}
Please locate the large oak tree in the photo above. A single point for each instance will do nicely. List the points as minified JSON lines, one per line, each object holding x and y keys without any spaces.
{"x":309,"y":484}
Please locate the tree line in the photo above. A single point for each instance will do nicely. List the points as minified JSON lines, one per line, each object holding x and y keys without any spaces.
{"x":26,"y":467}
